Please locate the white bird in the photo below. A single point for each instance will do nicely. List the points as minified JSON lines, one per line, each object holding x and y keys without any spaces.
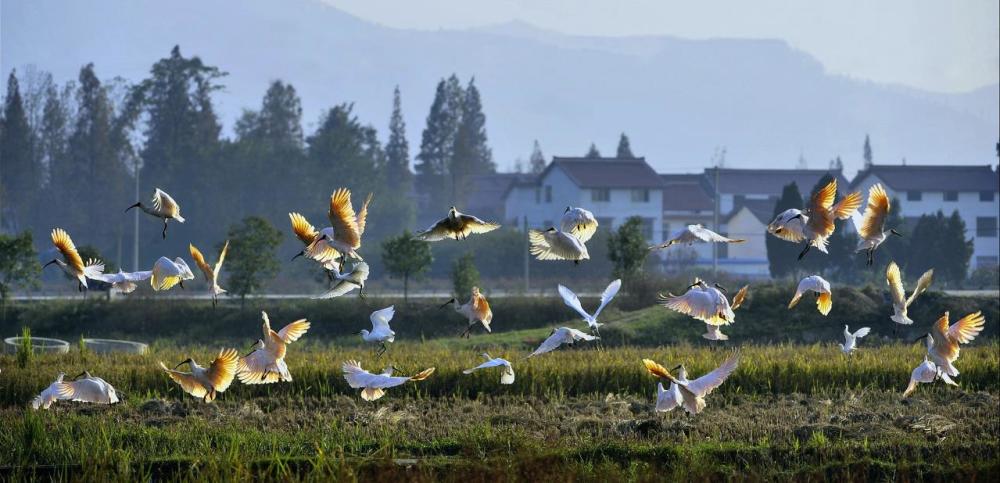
{"x":373,"y":385}
{"x":926,"y":372}
{"x":944,"y":341}
{"x":167,"y":273}
{"x":90,"y":389}
{"x":815,"y":224}
{"x":380,"y":333}
{"x":347,"y":226}
{"x":714,"y":332}
{"x":579,"y":223}
{"x":315,"y":249}
{"x":668,"y":399}
{"x":871,"y":230}
{"x":124,"y":282}
{"x":344,"y":283}
{"x":560,"y":336}
{"x":476,"y":310}
{"x":900,"y":303}
{"x":693,"y":392}
{"x":457,"y":226}
{"x":50,"y":394}
{"x":506,"y":376}
{"x":572,"y":301}
{"x":73,"y":264}
{"x":211,"y":272}
{"x":696,"y":234}
{"x":553,"y":244}
{"x":266,"y":363}
{"x":851,"y":339}
{"x":704,"y":303}
{"x":206,"y":382}
{"x":161,"y":206}
{"x":814,"y":283}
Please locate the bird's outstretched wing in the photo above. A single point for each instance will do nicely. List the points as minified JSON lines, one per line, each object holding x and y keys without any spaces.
{"x":820,"y":214}
{"x":922,"y":284}
{"x":222,"y":257}
{"x":579,"y":223}
{"x":862,"y":332}
{"x":199,"y":260}
{"x":223,"y":369}
{"x":380,"y":318}
{"x":895,"y":281}
{"x":873,"y":223}
{"x":967,"y":328}
{"x":572,"y":301}
{"x":707,"y":383}
{"x":474,"y":225}
{"x":363,"y":214}
{"x":187,"y":381}
{"x":436,"y":232}
{"x":303,"y":230}
{"x":740,"y":297}
{"x":694,"y":303}
{"x":293,"y":331}
{"x":65,"y":245}
{"x":253,"y":369}
{"x":609,"y":294}
{"x":658,"y":370}
{"x":551,"y":343}
{"x":343,"y":219}
{"x":706,"y":235}
{"x":355,"y":376}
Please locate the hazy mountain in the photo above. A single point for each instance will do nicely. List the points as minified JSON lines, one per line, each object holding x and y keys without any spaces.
{"x":677,"y":99}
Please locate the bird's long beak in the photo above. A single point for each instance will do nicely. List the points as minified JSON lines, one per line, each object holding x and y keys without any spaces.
{"x":446,"y":303}
{"x":894,"y":232}
{"x":919,"y":338}
{"x":322,"y":237}
{"x":679,"y":366}
{"x":693,"y":285}
{"x":78,"y":375}
{"x":137,"y":205}
{"x":720,"y":287}
{"x":50,"y":263}
{"x":297,"y":255}
{"x":251,"y":350}
{"x":185,"y":361}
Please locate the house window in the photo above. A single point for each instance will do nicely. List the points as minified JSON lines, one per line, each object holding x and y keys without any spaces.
{"x":548,"y":194}
{"x":666,"y":231}
{"x":600,"y":194}
{"x":985,"y":196}
{"x":951,"y":195}
{"x":647,"y":228}
{"x":914,"y":196}
{"x":986,"y":261}
{"x":640,"y":196}
{"x":986,"y":226}
{"x":606,"y":223}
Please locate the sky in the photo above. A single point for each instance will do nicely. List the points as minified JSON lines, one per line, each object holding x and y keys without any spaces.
{"x":936,"y":45}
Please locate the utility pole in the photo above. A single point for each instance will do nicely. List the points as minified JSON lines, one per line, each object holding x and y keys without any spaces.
{"x":715,"y":226}
{"x":527,"y":254}
{"x":135,"y":239}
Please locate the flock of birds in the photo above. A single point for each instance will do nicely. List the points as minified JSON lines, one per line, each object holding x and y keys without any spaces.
{"x":336,"y":247}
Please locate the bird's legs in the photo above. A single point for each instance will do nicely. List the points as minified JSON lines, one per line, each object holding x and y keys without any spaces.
{"x":466,"y":333}
{"x":215,"y":301}
{"x":164,"y":228}
{"x":381,"y":351}
{"x":805,"y":250}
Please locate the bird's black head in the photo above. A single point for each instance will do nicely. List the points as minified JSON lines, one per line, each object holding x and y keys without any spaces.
{"x":567,"y":209}
{"x":720,"y":287}
{"x":918,"y":339}
{"x":450,"y":301}
{"x":185,"y":361}
{"x":50,"y":263}
{"x":551,"y":229}
{"x":894,"y":232}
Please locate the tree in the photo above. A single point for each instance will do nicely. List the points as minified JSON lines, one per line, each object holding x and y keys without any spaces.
{"x":22,"y":175}
{"x":18,"y":265}
{"x":781,"y":255}
{"x":624,"y":148}
{"x":346,"y":152}
{"x":398,"y":177}
{"x":627,"y":248}
{"x":593,"y":153}
{"x":437,"y":141}
{"x":252,"y":255}
{"x":464,"y":274}
{"x":836,"y":164}
{"x":405,"y":256}
{"x":925,"y":245}
{"x":956,"y":250}
{"x":470,"y":154}
{"x":537,"y":159}
{"x":867,"y":152}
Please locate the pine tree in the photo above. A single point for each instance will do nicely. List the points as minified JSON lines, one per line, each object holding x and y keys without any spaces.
{"x":627,"y":248}
{"x":346,"y":152}
{"x":956,"y":250}
{"x":781,"y":255}
{"x":926,"y":248}
{"x":867,"y":152}
{"x":22,"y":175}
{"x":436,"y":145}
{"x":624,"y":148}
{"x":593,"y":153}
{"x":537,"y":159}
{"x":398,"y":177}
{"x":470,"y":154}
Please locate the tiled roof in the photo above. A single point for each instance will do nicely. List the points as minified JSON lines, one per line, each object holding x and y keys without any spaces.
{"x":769,"y":181}
{"x":763,"y":210}
{"x":488,"y":191}
{"x":686,"y":192}
{"x":934,"y":178}
{"x":607,"y":172}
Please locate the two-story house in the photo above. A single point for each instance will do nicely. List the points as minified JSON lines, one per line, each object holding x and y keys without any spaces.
{"x":614,"y":189}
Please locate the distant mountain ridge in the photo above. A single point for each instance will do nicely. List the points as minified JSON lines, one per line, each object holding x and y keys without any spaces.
{"x":677,"y":99}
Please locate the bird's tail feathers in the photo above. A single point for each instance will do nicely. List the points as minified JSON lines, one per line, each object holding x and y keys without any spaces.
{"x":825,"y":303}
{"x":901,"y":319}
{"x":795,"y":300}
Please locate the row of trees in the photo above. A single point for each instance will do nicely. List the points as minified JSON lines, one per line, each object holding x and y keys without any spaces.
{"x":934,"y":241}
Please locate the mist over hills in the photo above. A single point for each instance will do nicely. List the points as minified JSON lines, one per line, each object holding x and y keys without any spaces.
{"x":677,"y":99}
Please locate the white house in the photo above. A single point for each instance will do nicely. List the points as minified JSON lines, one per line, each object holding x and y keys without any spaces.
{"x":923,"y":190}
{"x":613,"y":189}
{"x":686,"y":201}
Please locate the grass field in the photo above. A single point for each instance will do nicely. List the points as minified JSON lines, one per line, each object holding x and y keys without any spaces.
{"x":789,"y":412}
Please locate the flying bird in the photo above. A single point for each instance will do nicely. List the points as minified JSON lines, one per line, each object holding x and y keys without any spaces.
{"x":124,"y":282}
{"x":507,"y":373}
{"x":266,"y":363}
{"x":315,"y":248}
{"x":553,"y":244}
{"x":944,"y":340}
{"x":345,"y":282}
{"x":871,"y":231}
{"x":851,"y":339}
{"x":815,"y":223}
{"x":814,"y":283}
{"x":900,"y":303}
{"x":579,"y":223}
{"x":560,"y":336}
{"x":696,"y":234}
{"x":206,"y":382}
{"x":457,"y":226}
{"x":693,"y":392}
{"x":705,"y":303}
{"x":72,"y":264}
{"x":161,"y":206}
{"x":347,"y":226}
{"x":211,"y":272}
{"x":373,"y":386}
{"x":926,"y":372}
{"x":50,"y":394}
{"x":380,"y":333}
{"x":476,"y":310}
{"x":167,"y":273}
{"x":573,"y":302}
